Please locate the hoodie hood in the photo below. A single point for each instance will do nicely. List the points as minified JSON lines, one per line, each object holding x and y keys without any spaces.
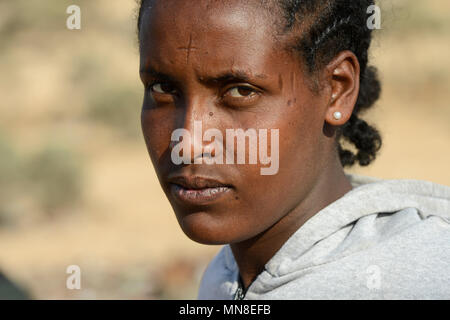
{"x":400,"y":228}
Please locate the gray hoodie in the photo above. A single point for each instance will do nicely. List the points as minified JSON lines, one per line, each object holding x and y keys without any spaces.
{"x":385,"y":239}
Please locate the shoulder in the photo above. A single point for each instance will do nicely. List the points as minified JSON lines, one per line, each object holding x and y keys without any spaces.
{"x":406,"y":239}
{"x":409,"y":253}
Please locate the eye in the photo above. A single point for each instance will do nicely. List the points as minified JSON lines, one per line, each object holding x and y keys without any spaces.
{"x":163,"y":88}
{"x":241,"y":92}
{"x":240,"y":96}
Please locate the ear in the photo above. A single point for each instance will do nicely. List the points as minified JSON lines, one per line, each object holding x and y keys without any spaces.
{"x":343,"y":77}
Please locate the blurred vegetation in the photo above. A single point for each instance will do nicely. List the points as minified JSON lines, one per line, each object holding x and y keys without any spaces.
{"x":115,"y":105}
{"x":55,"y":176}
{"x":116,"y":108}
{"x":9,"y":177}
{"x":17,"y":16}
{"x":50,"y":177}
{"x":401,"y":18}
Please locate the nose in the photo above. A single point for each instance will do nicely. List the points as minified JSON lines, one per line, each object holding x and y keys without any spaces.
{"x":195,"y":120}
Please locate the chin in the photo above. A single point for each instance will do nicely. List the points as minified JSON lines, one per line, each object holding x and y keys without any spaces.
{"x":201,"y":227}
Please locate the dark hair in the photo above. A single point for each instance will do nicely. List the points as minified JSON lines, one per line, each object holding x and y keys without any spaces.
{"x":333,"y":26}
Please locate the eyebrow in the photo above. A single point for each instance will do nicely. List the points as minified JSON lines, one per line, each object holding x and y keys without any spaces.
{"x":155,"y":74}
{"x":226,"y":76}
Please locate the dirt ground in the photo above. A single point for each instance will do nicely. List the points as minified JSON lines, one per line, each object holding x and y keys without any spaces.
{"x":122,"y":233}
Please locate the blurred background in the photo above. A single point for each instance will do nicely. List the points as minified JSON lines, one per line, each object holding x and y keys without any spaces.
{"x":76,"y":183}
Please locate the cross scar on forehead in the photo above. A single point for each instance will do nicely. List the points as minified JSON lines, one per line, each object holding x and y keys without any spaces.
{"x":188,"y":49}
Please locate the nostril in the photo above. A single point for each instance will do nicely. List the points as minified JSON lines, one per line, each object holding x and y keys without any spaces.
{"x":208,"y":152}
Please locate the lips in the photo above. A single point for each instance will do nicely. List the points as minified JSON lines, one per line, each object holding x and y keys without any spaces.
{"x":197,"y":182}
{"x":198,"y":190}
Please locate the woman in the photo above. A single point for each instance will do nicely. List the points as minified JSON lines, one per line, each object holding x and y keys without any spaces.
{"x":299,"y":70}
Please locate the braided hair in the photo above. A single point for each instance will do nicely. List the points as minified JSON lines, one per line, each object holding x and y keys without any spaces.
{"x":330,"y":27}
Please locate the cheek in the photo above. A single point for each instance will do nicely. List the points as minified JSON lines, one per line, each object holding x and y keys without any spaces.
{"x":157,"y":127}
{"x":297,"y":143}
{"x":300,"y":128}
{"x":268,"y":197}
{"x":299,"y":152}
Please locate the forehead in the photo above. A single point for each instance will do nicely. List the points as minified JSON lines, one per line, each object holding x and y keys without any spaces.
{"x":208,"y":33}
{"x":207,"y":10}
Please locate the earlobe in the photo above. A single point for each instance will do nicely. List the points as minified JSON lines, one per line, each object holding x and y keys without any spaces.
{"x":337,"y":115}
{"x":343,"y":77}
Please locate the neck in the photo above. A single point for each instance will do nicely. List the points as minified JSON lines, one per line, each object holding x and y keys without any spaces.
{"x":252,"y":255}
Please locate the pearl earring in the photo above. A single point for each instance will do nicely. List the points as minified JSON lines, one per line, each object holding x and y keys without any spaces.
{"x":337,"y":115}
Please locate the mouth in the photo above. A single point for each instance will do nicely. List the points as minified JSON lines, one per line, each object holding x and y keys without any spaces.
{"x":198,"y":190}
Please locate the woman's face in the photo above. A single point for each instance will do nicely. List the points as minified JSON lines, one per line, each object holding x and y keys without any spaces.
{"x":223,"y":65}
